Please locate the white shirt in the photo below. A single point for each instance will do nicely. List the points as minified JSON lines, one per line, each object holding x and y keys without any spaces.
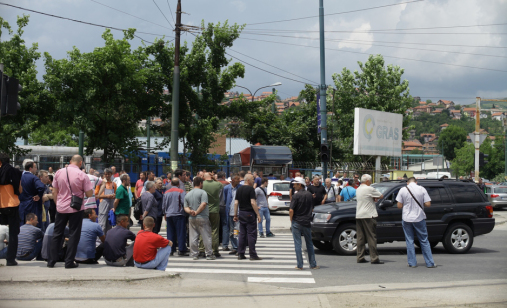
{"x":365,"y":204}
{"x":331,"y":193}
{"x":4,"y":235}
{"x":412,"y":212}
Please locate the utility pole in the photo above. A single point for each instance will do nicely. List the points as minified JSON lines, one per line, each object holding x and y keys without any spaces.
{"x":81,"y":142}
{"x":273,"y":106}
{"x":148,"y":135}
{"x":477,"y":135}
{"x":323,"y":87}
{"x":176,"y":91}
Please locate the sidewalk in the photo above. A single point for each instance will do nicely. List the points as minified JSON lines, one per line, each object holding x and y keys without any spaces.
{"x":500,"y":216}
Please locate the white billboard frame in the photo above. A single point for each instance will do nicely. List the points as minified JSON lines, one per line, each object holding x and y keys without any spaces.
{"x":377,"y":133}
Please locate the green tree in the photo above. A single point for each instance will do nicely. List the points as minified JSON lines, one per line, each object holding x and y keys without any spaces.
{"x":429,"y":101}
{"x":416,"y":151}
{"x":496,"y":158}
{"x":376,"y":86}
{"x":36,"y":105}
{"x":106,"y":93}
{"x":452,"y":138}
{"x":52,"y":134}
{"x":463,"y":163}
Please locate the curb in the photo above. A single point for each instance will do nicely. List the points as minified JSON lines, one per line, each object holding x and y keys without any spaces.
{"x":88,"y":278}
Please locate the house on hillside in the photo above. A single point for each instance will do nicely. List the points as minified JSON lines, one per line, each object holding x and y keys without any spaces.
{"x":436,"y":111}
{"x":470,"y":112}
{"x":409,"y":146}
{"x":499,"y":116}
{"x":427,"y":137}
{"x":422,"y":109}
{"x":443,"y":126}
{"x":447,"y":104}
{"x":456,"y":114}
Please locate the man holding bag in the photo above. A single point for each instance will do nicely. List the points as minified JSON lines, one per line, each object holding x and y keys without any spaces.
{"x":411,"y":200}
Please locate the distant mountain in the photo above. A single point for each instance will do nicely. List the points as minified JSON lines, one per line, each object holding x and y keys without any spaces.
{"x":489,"y":104}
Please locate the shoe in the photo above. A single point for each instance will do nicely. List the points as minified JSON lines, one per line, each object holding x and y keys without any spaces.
{"x":270,"y":234}
{"x":50,"y":264}
{"x":202,"y":254}
{"x":362,"y":261}
{"x":11,"y":263}
{"x":226,"y":249}
{"x":378,"y":262}
{"x":434,"y":266}
{"x":183,"y":254}
{"x":315,"y":268}
{"x":73,"y":265}
{"x":241,"y":257}
{"x":212,"y":257}
{"x":218,"y":255}
{"x":233,"y":252}
{"x":171,"y":254}
{"x":196,"y":258}
{"x":262,"y":235}
{"x":412,"y":266}
{"x":256,"y":258}
{"x":299,"y":268}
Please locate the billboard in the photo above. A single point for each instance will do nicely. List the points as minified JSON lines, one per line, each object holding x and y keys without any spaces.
{"x":377,"y":133}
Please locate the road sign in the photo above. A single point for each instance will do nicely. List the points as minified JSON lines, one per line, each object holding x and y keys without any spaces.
{"x":482,"y":137}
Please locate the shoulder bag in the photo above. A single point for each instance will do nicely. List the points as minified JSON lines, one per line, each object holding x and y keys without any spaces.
{"x":415,"y":199}
{"x":76,"y":202}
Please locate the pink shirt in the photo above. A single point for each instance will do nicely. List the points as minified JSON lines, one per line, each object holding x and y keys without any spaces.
{"x":79,"y":183}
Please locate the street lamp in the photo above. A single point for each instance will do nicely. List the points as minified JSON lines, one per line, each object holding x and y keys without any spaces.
{"x":253,"y":95}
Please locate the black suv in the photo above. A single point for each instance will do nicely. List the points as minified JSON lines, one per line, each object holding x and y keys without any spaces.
{"x":459,"y":211}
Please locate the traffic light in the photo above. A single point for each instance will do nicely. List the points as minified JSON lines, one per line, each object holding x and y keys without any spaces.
{"x":324,"y":153}
{"x":482,"y":159}
{"x":10,"y":88}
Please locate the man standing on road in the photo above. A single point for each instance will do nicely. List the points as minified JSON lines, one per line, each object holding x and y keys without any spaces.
{"x":148,"y":202}
{"x":291,"y":186}
{"x":348,"y":192}
{"x":173,"y":207}
{"x":300,"y":213}
{"x":330,"y":192}
{"x":261,"y":196}
{"x":122,"y":200}
{"x":196,"y":205}
{"x":318,"y":192}
{"x":33,"y":191}
{"x":230,"y":197}
{"x":411,"y":199}
{"x":366,"y":222}
{"x":248,"y":218}
{"x":213,"y":188}
{"x":69,"y":182}
{"x":106,"y":196}
{"x":224,"y":216}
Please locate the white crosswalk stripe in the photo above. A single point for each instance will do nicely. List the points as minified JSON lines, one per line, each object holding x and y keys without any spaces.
{"x":284,"y":280}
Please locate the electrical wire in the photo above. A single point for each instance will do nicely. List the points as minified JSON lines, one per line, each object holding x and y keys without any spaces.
{"x":130,"y":14}
{"x":163,"y":14}
{"x":339,"y":13}
{"x":79,"y":21}
{"x":313,"y":82}
{"x":171,"y":11}
{"x":425,"y":33}
{"x":393,"y":57}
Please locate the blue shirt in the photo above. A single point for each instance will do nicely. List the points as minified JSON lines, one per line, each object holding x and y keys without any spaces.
{"x":32,"y":186}
{"x":174,"y":202}
{"x":89,"y":233}
{"x":230,"y":196}
{"x":48,"y":236}
{"x":28,"y":236}
{"x":348,"y":193}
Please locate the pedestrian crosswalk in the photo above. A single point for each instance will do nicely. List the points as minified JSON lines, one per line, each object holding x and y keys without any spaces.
{"x":276,"y":267}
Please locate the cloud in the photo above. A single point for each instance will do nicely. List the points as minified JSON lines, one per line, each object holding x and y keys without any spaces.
{"x":240,"y":5}
{"x":358,"y":35}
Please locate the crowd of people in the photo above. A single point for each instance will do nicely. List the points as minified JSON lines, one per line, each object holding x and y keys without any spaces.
{"x":76,"y":217}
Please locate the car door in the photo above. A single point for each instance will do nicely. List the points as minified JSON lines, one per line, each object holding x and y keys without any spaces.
{"x":389,"y":226}
{"x":441,"y":207}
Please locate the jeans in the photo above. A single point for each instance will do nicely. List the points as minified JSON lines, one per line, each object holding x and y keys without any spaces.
{"x":297,"y":231}
{"x":177,"y":231}
{"x":264,"y":213}
{"x":3,"y":253}
{"x":419,"y":228}
{"x":35,"y":252}
{"x":10,"y":216}
{"x":224,"y":221}
{"x":160,"y":261}
{"x":234,"y":240}
{"x":200,"y":227}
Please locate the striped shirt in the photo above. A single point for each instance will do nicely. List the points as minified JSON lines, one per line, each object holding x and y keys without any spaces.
{"x":28,"y":236}
{"x":96,"y":182}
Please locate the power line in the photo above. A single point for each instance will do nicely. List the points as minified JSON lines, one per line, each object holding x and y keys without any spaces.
{"x":372,"y":44}
{"x":171,"y":11}
{"x":78,"y":21}
{"x":130,"y":14}
{"x":265,"y":70}
{"x":374,"y":30}
{"x":339,"y":13}
{"x":394,"y":57}
{"x":426,"y":33}
{"x":273,"y":66}
{"x":163,"y":13}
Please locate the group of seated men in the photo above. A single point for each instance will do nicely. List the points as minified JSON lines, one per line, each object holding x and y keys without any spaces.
{"x":151,"y":251}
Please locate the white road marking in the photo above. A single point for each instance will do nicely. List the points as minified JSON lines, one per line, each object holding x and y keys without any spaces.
{"x":282,"y":280}
{"x":235,"y":265}
{"x":246,"y":261}
{"x":241,"y":272}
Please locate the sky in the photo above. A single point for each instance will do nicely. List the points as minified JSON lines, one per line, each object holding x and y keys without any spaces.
{"x":292,"y":46}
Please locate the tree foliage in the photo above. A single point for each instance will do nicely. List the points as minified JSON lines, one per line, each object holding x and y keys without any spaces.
{"x":451,"y":139}
{"x":463,"y":162}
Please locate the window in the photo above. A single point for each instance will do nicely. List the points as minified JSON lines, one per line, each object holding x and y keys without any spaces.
{"x":498,"y":190}
{"x":438,"y":195}
{"x":488,"y":190}
{"x":281,"y":186}
{"x":466,"y":193}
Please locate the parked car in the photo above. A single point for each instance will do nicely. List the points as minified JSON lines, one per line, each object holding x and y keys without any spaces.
{"x":278,"y":195}
{"x":497,"y":195}
{"x":459,"y":211}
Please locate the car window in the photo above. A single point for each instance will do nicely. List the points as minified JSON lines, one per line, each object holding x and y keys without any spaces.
{"x":281,"y":186}
{"x":392,"y":196}
{"x":488,"y":190}
{"x":499,"y":190}
{"x":381,"y":188}
{"x":466,"y":193}
{"x":438,"y":195}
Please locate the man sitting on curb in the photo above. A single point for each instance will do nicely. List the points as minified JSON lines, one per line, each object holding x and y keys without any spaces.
{"x":116,"y":251}
{"x":29,"y":239}
{"x":147,"y":254}
{"x":87,"y":251}
{"x":46,"y":243}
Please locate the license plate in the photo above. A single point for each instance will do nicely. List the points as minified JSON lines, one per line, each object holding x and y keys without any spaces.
{"x":504,"y":198}
{"x":287,"y":203}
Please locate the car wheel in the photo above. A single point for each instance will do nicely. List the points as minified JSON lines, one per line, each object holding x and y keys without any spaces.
{"x":323,"y":245}
{"x":432,"y":244}
{"x":458,"y":238}
{"x":345,"y":240}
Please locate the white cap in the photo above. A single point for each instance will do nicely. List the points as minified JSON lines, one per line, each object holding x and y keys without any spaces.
{"x":299,"y":180}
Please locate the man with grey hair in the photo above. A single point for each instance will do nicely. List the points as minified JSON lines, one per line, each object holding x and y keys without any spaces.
{"x":366,"y":222}
{"x":107,"y":195}
{"x":148,"y":202}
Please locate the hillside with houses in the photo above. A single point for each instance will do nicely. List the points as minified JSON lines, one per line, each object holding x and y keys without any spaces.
{"x":429,"y":119}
